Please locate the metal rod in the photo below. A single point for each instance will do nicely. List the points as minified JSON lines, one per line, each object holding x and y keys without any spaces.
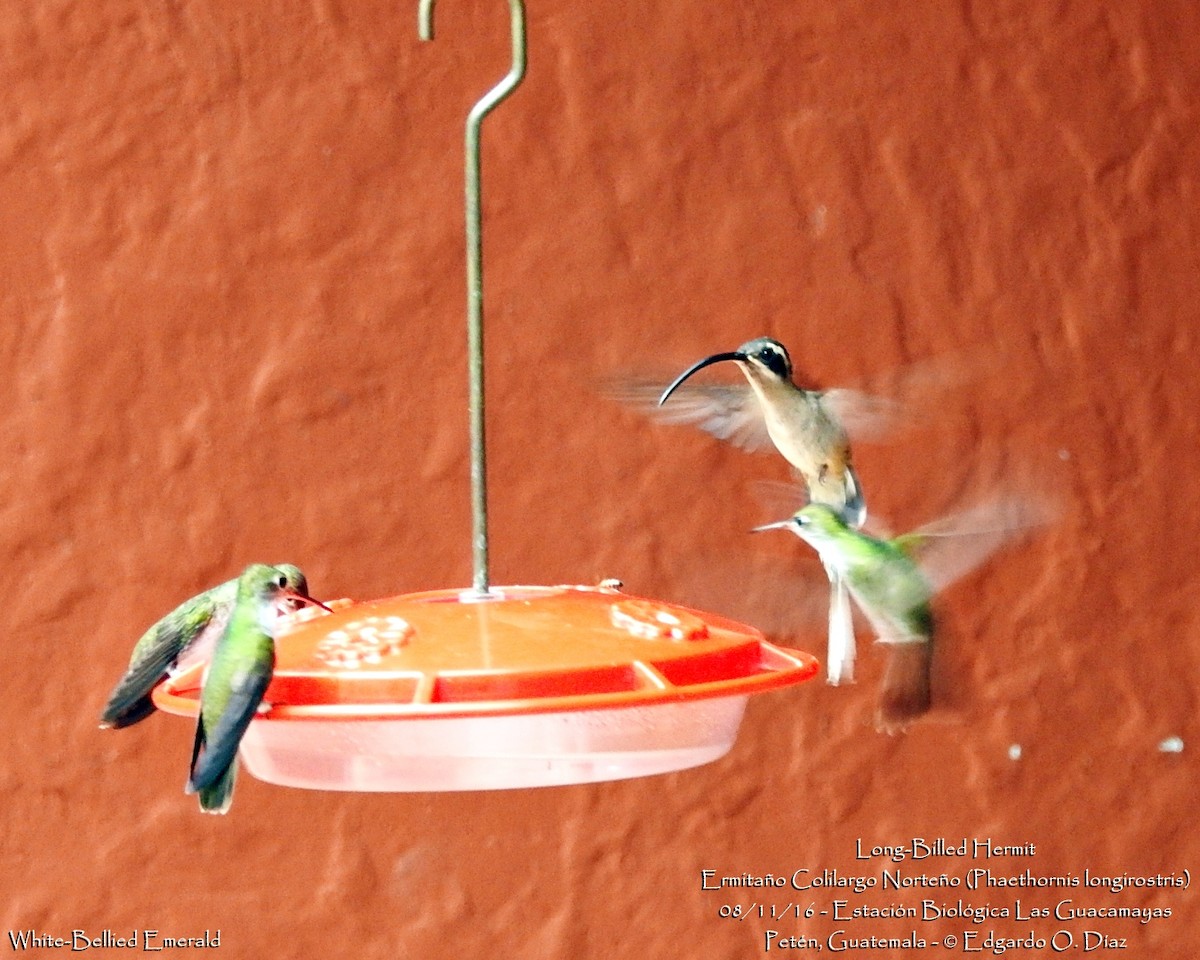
{"x":486,"y":104}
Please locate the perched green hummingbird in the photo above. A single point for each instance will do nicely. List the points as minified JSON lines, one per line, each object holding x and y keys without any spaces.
{"x":184,"y":636}
{"x":895,"y":593}
{"x":235,"y":681}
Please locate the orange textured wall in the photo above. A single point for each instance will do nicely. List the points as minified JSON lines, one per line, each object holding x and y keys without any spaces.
{"x":231,"y":282}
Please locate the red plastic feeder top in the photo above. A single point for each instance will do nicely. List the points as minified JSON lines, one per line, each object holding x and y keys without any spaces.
{"x":529,"y":686}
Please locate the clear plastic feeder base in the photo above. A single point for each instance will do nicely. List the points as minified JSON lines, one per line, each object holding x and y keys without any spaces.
{"x":492,"y":753}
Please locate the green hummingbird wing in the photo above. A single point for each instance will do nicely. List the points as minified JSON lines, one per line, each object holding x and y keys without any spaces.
{"x":910,"y":544}
{"x":130,"y":700}
{"x":903,"y":619}
{"x":888,"y":587}
{"x":215,"y":749}
{"x":950,"y":548}
{"x":158,"y":649}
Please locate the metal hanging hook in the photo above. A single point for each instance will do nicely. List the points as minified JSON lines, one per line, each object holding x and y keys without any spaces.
{"x":481,"y":109}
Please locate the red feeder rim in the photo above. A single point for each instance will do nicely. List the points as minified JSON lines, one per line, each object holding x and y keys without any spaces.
{"x":520,"y":650}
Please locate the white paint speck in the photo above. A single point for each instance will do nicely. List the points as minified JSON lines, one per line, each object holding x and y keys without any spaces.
{"x":1014,"y":752}
{"x":1171,"y":745}
{"x":817,"y":218}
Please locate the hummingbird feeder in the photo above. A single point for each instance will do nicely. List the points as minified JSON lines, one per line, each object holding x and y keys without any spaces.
{"x":497,"y":687}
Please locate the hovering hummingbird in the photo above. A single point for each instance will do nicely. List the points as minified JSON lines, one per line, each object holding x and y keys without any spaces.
{"x":804,"y":425}
{"x":235,"y":681}
{"x":895,"y":593}
{"x":184,"y":636}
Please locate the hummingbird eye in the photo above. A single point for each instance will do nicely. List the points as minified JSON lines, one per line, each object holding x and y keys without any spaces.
{"x":283,"y":580}
{"x":775,"y":360}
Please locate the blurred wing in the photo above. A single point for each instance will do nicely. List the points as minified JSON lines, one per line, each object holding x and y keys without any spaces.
{"x":952,"y":547}
{"x":913,"y":395}
{"x":885,"y":628}
{"x":778,"y":500}
{"x":785,"y":594}
{"x":863,"y":417}
{"x":729,"y":413}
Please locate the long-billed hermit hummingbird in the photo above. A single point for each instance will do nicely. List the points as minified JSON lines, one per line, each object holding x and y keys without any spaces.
{"x":895,"y":593}
{"x":804,"y":425}
{"x":184,"y":636}
{"x":235,"y":680}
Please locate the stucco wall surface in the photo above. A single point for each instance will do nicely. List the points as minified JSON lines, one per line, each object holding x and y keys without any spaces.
{"x":232,"y":298}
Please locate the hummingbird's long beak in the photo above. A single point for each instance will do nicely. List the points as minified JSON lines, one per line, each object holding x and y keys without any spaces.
{"x":707,"y":361}
{"x":777,"y":525}
{"x":303,"y":598}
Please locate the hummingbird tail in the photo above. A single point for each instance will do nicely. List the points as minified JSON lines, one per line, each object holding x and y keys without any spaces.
{"x":212,"y":784}
{"x":855,"y":510}
{"x":218,"y":797}
{"x":904,"y":696}
{"x":839,"y":667}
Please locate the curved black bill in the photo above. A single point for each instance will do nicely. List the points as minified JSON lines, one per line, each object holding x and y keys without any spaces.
{"x":700,"y":365}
